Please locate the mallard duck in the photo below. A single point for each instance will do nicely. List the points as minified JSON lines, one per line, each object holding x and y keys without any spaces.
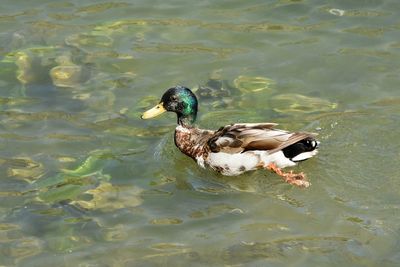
{"x":235,"y":148}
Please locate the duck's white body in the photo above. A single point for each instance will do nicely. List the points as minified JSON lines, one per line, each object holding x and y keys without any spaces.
{"x":236,"y":164}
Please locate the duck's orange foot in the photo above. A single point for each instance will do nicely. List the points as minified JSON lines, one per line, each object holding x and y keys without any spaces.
{"x":298,"y":179}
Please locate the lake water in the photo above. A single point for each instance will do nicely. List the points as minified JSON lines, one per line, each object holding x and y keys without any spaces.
{"x":85,"y":182}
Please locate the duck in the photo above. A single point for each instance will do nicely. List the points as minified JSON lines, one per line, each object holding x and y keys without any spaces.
{"x":238,"y":147}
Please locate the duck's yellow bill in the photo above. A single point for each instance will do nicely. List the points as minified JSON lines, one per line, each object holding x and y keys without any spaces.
{"x":153,"y":112}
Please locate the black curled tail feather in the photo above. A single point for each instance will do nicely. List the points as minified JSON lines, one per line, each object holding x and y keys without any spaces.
{"x":305,"y":145}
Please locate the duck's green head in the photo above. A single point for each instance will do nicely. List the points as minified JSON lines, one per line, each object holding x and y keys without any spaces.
{"x":177,"y":99}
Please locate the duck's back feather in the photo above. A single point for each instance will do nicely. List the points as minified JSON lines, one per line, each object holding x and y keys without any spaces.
{"x":241,"y":137}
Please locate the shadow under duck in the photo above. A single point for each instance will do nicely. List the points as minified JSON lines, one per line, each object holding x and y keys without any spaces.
{"x":235,"y":148}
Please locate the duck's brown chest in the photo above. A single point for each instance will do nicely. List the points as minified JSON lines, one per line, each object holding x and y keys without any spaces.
{"x":192,"y":142}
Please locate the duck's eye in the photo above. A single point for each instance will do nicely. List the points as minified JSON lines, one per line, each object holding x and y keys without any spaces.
{"x":174,"y":98}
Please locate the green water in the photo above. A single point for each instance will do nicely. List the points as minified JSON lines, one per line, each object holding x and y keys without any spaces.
{"x":85,"y":182}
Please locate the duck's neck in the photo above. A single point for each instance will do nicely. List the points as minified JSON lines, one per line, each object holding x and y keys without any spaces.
{"x":187,"y":121}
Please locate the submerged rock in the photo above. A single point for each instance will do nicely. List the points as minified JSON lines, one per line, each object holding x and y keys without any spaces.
{"x":24,"y":168}
{"x":107,"y":197}
{"x":214,"y":89}
{"x":67,"y":74}
{"x":32,"y":63}
{"x":249,"y":84}
{"x":217,"y":92}
{"x":296,"y":103}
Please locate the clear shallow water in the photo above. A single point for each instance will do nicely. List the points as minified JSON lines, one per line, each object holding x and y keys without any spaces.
{"x":85,"y":182}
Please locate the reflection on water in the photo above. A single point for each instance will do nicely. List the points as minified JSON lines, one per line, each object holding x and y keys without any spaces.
{"x":85,"y":182}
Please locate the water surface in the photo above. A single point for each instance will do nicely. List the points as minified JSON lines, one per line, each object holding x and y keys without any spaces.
{"x":85,"y":182}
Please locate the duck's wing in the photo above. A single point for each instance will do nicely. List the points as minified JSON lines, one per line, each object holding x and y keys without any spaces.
{"x":241,"y":137}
